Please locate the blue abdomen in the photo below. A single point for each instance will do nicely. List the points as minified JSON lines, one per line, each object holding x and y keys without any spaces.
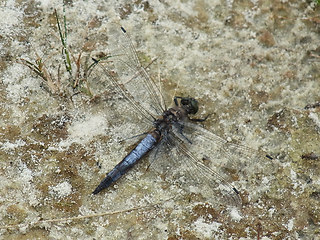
{"x":121,"y":168}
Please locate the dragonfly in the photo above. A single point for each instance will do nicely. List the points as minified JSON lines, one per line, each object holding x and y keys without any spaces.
{"x":176,"y":142}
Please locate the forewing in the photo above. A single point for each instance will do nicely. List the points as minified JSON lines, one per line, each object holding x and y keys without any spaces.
{"x":124,"y":72}
{"x":234,"y":162}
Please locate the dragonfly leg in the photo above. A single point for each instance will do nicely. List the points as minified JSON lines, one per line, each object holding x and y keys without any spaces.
{"x":175,"y":99}
{"x":200,"y":119}
{"x":180,"y":127}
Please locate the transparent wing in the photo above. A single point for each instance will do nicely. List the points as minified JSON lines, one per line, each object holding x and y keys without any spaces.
{"x":230,"y":155}
{"x":208,"y":162}
{"x":211,"y":183}
{"x":123,"y":72}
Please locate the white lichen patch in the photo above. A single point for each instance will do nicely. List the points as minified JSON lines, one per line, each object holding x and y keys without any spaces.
{"x":84,"y":130}
{"x":61,"y":190}
{"x":204,"y":229}
{"x":11,"y":17}
{"x":11,"y":146}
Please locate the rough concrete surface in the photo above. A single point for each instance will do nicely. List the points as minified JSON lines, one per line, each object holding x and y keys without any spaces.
{"x":253,"y":65}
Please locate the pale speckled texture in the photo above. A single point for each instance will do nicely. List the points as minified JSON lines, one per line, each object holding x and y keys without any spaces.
{"x":254,"y":64}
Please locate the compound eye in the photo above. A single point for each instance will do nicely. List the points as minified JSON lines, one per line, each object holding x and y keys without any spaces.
{"x":190,"y":105}
{"x":185,"y":101}
{"x":193,"y":106}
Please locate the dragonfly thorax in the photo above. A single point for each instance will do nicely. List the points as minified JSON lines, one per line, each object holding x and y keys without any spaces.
{"x":163,"y":123}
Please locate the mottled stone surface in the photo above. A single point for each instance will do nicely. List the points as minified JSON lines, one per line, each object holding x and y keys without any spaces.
{"x":255,"y":65}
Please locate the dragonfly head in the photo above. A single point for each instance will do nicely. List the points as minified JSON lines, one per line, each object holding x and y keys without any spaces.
{"x":189,"y":104}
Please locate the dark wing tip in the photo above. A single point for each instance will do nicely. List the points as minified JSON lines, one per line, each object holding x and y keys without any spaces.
{"x":268,"y":156}
{"x":123,"y":30}
{"x":235,"y":190}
